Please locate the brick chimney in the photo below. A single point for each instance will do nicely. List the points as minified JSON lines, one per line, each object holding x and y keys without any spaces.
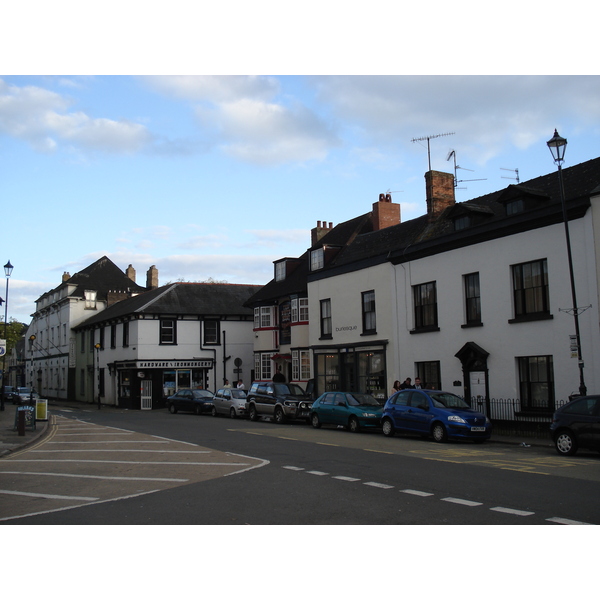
{"x":385,"y":212}
{"x":130,"y":272}
{"x":65,"y":276}
{"x":319,"y":231}
{"x":440,"y":193}
{"x":152,"y":278}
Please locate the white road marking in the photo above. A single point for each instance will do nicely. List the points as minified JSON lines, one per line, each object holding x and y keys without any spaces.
{"x":383,"y":486}
{"x":416,"y":493}
{"x":512,"y":511}
{"x":561,"y":521}
{"x":294,"y":468}
{"x":342,"y":478}
{"x":136,"y":462}
{"x":461,"y":501}
{"x":47,"y":496}
{"x":112,"y":478}
{"x":320,"y":473}
{"x":123,"y":451}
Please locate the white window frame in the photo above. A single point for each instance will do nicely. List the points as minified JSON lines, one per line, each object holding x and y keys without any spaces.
{"x":317,"y":259}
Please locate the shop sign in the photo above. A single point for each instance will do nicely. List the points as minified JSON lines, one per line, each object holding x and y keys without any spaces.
{"x":174,"y":364}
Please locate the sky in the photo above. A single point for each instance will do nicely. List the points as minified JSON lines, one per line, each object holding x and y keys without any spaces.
{"x":216,"y":174}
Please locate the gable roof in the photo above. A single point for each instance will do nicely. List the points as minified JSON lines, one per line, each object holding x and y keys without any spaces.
{"x":181,"y":299}
{"x":102,"y":276}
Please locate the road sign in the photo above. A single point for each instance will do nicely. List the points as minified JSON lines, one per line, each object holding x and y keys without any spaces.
{"x":2,"y":347}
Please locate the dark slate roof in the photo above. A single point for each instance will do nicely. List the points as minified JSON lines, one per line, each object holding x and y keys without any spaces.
{"x":181,"y":299}
{"x":103,"y":276}
{"x":419,"y":237}
{"x":296,"y":282}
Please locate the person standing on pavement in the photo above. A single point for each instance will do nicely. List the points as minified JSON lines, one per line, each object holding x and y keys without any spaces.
{"x":407,"y":384}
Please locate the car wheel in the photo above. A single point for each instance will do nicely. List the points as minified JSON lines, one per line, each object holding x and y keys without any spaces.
{"x":353,"y":425}
{"x":278,"y":416}
{"x":214,"y":412}
{"x":172,"y":409}
{"x":388,"y":428}
{"x":314,"y":421}
{"x":439,"y":433}
{"x":232,"y":413}
{"x":565,"y":443}
{"x":252,"y":413}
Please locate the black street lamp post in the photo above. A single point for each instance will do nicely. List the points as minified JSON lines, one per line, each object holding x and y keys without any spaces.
{"x":557,"y":146}
{"x":7,"y":271}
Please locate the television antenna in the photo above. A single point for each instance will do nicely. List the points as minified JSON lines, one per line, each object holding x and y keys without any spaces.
{"x":430,"y":137}
{"x":452,"y":154}
{"x":516,"y":171}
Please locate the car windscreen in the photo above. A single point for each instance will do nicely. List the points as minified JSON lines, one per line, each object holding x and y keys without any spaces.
{"x":202,"y":394}
{"x":447,"y":400}
{"x":238,"y":394}
{"x":290,"y":389}
{"x":361,"y":400}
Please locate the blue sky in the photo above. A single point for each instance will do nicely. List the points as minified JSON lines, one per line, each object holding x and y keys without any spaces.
{"x":215,"y":176}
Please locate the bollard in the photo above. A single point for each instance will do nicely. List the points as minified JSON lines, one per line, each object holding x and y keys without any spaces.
{"x":21,"y":423}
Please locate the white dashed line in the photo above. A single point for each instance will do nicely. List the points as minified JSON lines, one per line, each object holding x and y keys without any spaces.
{"x":342,"y":478}
{"x":294,"y":468}
{"x":461,"y":501}
{"x":416,"y":493}
{"x":566,"y":521}
{"x":383,"y":486}
{"x":320,"y":473}
{"x":48,"y":496}
{"x":512,"y":511}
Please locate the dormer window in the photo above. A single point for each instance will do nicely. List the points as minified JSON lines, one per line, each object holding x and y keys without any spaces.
{"x":515,"y":206}
{"x":90,"y":299}
{"x":280,"y":271}
{"x":462,"y":222}
{"x":317,"y":259}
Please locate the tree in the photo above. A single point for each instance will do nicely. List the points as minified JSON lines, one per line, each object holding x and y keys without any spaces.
{"x":14,"y":332}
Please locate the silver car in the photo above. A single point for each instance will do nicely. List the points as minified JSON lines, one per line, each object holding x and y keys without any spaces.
{"x":229,"y":401}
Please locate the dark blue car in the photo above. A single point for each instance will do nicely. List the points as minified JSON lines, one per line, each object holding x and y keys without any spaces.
{"x":434,"y":413}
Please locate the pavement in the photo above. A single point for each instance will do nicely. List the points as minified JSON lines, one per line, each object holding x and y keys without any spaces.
{"x":11,"y":439}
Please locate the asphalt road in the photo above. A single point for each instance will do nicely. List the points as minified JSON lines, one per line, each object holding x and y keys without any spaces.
{"x":116,"y":467}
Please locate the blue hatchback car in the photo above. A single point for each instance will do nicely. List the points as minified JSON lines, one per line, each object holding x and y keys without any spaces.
{"x":349,"y":409}
{"x":441,"y":415}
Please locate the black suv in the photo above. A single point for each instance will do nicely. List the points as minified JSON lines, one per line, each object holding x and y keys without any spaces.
{"x":280,"y":401}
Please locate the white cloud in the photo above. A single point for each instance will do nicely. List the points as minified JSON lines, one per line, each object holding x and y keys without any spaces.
{"x":214,"y":89}
{"x":488,"y":112}
{"x":42,"y":118}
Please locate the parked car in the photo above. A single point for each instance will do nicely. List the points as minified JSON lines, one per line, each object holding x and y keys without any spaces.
{"x":435,"y":413}
{"x":23,"y":395}
{"x":280,"y":401}
{"x":8,"y":392}
{"x":577,"y":425}
{"x":196,"y":401}
{"x":230,"y":402}
{"x":350,"y":409}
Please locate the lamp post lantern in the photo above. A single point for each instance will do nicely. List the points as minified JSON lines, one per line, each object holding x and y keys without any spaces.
{"x":558,"y":146}
{"x":8,"y":268}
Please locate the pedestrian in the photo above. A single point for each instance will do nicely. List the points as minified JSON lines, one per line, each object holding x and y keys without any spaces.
{"x":279,"y":376}
{"x":227,"y":384}
{"x":407,"y":384}
{"x":240,"y":385}
{"x":395,"y":387}
{"x":418,"y":385}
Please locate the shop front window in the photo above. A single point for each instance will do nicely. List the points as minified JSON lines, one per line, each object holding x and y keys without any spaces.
{"x":371,"y":373}
{"x":328,"y":379}
{"x":184,"y":380}
{"x":169,"y":383}
{"x":125,"y":384}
